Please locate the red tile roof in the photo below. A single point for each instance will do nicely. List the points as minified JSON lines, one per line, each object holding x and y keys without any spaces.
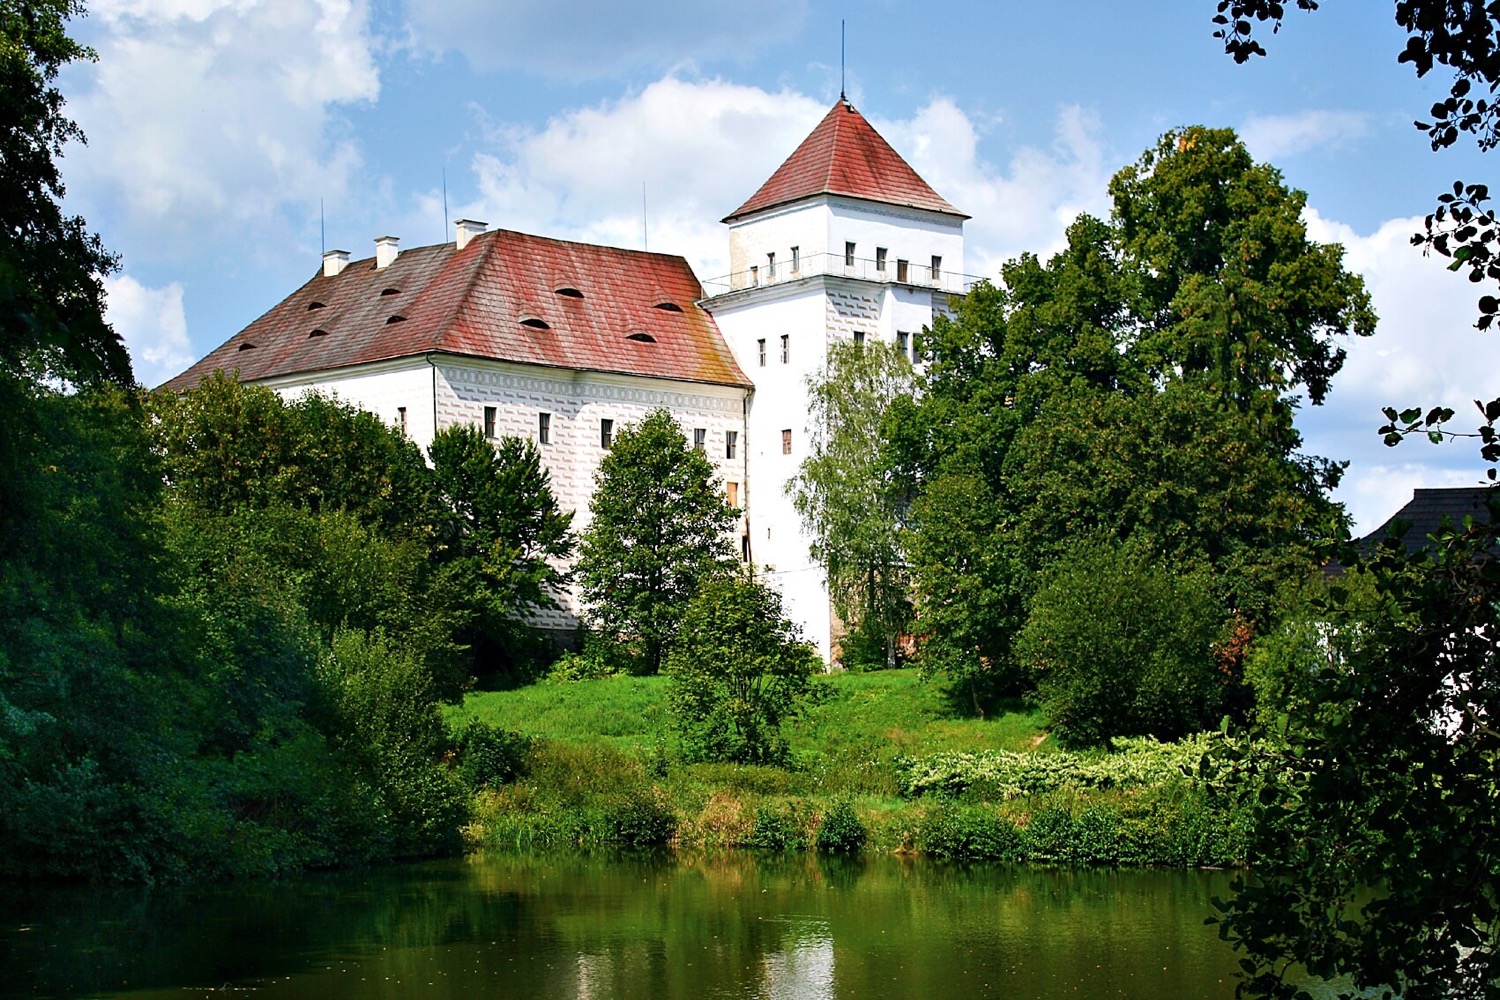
{"x":844,"y":155}
{"x":498,"y":298}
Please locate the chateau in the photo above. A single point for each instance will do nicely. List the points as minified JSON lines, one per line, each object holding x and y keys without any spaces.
{"x":564,"y":343}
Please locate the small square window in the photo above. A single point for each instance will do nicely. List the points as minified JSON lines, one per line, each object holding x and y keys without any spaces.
{"x":489,"y":422}
{"x":731,"y":443}
{"x":786,"y":441}
{"x":848,"y":254}
{"x":732,"y":492}
{"x":606,"y":433}
{"x":700,"y":438}
{"x":760,"y":346}
{"x":786,"y":348}
{"x":544,"y":428}
{"x":902,"y":270}
{"x":880,"y":259}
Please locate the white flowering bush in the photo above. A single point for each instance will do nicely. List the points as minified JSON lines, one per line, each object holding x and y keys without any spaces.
{"x":1139,"y":762}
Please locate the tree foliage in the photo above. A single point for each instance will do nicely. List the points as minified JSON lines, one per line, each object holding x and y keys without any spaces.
{"x":658,"y":531}
{"x":1121,"y":643}
{"x":1142,"y":382}
{"x":850,"y":504}
{"x":738,"y":669}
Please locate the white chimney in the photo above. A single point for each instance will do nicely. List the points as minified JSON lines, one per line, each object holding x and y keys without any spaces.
{"x":467,"y":230}
{"x":386,"y":249}
{"x":334,"y":262}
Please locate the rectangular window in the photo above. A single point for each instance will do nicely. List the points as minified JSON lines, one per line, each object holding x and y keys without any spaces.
{"x":700,"y":438}
{"x":796,"y":259}
{"x":786,"y":348}
{"x":606,"y":433}
{"x":880,"y":260}
{"x":786,"y":441}
{"x":754,"y":275}
{"x":544,"y":428}
{"x":745,"y":547}
{"x":937,"y":269}
{"x":848,"y":254}
{"x":916,"y":347}
{"x":760,"y":346}
{"x":732,"y":491}
{"x":770,"y":267}
{"x":401,"y":418}
{"x":902,"y":269}
{"x":903,"y":342}
{"x":489,"y":422}
{"x":731,"y":443}
{"x":859,"y":338}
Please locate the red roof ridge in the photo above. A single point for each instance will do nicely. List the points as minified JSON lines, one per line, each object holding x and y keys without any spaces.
{"x":845,"y":156}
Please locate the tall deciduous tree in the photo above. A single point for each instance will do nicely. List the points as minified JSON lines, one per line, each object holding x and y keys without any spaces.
{"x":1141,"y":382}
{"x":658,"y":531}
{"x":503,"y":542}
{"x":850,"y":503}
{"x":1375,"y":798}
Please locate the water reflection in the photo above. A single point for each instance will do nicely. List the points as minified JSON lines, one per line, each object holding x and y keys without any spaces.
{"x":731,"y":926}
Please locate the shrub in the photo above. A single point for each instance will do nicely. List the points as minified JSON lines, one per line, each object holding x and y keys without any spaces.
{"x":1121,"y":645}
{"x":970,"y":833}
{"x":737,"y":670}
{"x":840,"y":829}
{"x":779,"y":828}
{"x":490,"y":756}
{"x":644,"y":821}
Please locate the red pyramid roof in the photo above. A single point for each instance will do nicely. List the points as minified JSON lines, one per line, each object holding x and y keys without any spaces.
{"x":845,"y":156}
{"x":499,"y":298}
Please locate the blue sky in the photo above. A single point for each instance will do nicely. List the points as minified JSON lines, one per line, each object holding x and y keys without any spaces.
{"x":218,"y":127}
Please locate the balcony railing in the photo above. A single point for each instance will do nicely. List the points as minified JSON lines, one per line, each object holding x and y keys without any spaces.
{"x":815,"y":264}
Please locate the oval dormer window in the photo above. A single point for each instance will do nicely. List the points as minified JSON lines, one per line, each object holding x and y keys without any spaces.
{"x":568,"y":291}
{"x":247,"y":346}
{"x":319,"y":332}
{"x":535,"y":324}
{"x":642,"y":338}
{"x":395,"y":319}
{"x":390,"y":291}
{"x":314,"y":305}
{"x":670,"y":307}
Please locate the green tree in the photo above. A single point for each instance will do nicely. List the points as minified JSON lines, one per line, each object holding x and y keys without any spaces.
{"x":848,"y":500}
{"x":738,"y":669}
{"x":658,"y":530}
{"x":1374,"y":781}
{"x":504,"y":538}
{"x":51,"y":298}
{"x":1141,"y":382}
{"x":1122,"y":644}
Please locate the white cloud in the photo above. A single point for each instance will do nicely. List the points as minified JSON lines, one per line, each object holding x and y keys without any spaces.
{"x":581,"y":39}
{"x":1425,"y":353}
{"x":1025,"y":206}
{"x":699,"y":149}
{"x":703,"y":147}
{"x":207,"y":113}
{"x":1276,"y":137}
{"x":153,"y":324}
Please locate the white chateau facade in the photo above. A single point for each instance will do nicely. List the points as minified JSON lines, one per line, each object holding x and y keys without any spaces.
{"x":564,"y":343}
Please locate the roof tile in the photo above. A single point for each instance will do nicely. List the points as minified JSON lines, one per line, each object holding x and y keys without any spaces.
{"x":472,"y":302}
{"x":845,"y":156}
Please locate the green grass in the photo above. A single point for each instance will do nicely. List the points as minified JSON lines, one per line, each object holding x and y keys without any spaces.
{"x":887,"y":712}
{"x":607,"y":759}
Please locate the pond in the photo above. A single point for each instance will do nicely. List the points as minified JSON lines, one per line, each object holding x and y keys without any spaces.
{"x":736,"y":925}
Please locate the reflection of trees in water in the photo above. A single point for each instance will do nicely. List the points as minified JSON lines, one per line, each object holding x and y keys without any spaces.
{"x":626,"y":926}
